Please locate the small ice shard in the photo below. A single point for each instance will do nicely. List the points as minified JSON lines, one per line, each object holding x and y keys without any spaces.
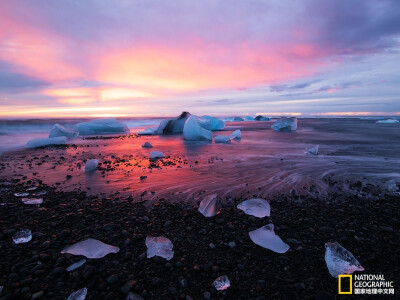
{"x":101,"y":126}
{"x":210,"y":206}
{"x":248,"y":118}
{"x":216,"y":124}
{"x":261,"y":118}
{"x":22,"y":236}
{"x":388,"y":121}
{"x":222,"y":283}
{"x":285,"y":124}
{"x":32,"y":201}
{"x":1,"y":289}
{"x":156,"y":154}
{"x":312,"y":150}
{"x":266,"y":238}
{"x":159,"y":246}
{"x":91,"y":165}
{"x":148,"y":131}
{"x":340,"y":261}
{"x":78,"y":295}
{"x":237,"y":119}
{"x":132,"y":296}
{"x":32,"y":188}
{"x":193,"y":131}
{"x":90,"y":248}
{"x":147,"y":145}
{"x":236,"y":135}
{"x":59,"y":130}
{"x":255,"y":207}
{"x":222,"y":139}
{"x":76,"y":265}
{"x":21,"y":194}
{"x":175,"y":125}
{"x":35,"y":143}
{"x":40,"y":193}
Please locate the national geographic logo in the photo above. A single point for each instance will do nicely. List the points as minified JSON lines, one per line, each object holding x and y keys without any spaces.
{"x":365,"y":284}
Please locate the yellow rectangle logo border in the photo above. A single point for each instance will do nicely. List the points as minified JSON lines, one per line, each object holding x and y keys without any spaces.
{"x":351,"y":284}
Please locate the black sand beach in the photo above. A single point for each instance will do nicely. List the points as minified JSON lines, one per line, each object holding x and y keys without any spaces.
{"x":348,"y":193}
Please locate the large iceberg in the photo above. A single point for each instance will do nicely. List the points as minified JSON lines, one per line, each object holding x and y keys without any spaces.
{"x":159,"y":246}
{"x":210,"y":206}
{"x":173,"y":126}
{"x":261,"y":118}
{"x":193,"y":131}
{"x":60,"y":140}
{"x":266,"y":238}
{"x":91,"y":165}
{"x":285,"y":124}
{"x":222,"y":139}
{"x":236,"y":135}
{"x":101,"y":126}
{"x":340,"y":261}
{"x":90,"y":248}
{"x":216,"y":124}
{"x":388,"y":121}
{"x":59,"y":130}
{"x":255,"y":207}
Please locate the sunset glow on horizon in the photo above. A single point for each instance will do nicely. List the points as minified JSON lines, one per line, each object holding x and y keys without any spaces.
{"x":139,"y":58}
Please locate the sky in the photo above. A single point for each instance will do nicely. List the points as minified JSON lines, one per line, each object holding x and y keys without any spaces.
{"x":66,"y":58}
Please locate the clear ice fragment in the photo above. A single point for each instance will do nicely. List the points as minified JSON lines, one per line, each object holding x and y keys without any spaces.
{"x":35,"y":143}
{"x":156,"y":154}
{"x":59,"y":130}
{"x":90,"y":248}
{"x":101,"y":126}
{"x":132,"y":296}
{"x":340,"y":261}
{"x":222,"y":139}
{"x":193,"y":131}
{"x":210,"y":206}
{"x":21,"y":194}
{"x":312,"y":150}
{"x":32,"y":188}
{"x":266,"y":238}
{"x":285,"y":124}
{"x":22,"y":236}
{"x":32,"y":201}
{"x":259,"y":208}
{"x":222,"y":283}
{"x":76,"y":265}
{"x":236,"y":135}
{"x":216,"y":124}
{"x":388,"y":121}
{"x":159,"y":246}
{"x":91,"y":165}
{"x":78,"y":295}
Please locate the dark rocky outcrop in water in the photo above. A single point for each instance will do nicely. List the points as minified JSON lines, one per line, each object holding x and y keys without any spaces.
{"x":175,"y":125}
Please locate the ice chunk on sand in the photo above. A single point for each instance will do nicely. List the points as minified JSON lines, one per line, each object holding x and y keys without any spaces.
{"x":255,"y":207}
{"x":22,"y":236}
{"x":132,"y":296}
{"x":261,"y":118}
{"x":21,"y":194}
{"x":76,"y":265}
{"x":266,"y":238}
{"x":210,"y":206}
{"x":90,"y":248}
{"x":248,"y":118}
{"x":222,"y":283}
{"x":340,"y":261}
{"x":148,"y":131}
{"x":156,"y":154}
{"x":222,"y":139}
{"x":32,"y":188}
{"x":35,"y":143}
{"x":312,"y":150}
{"x":159,"y":246}
{"x":147,"y":145}
{"x":91,"y":165}
{"x":101,"y":126}
{"x":237,"y":135}
{"x":78,"y":295}
{"x":175,"y":125}
{"x":59,"y":130}
{"x":32,"y":201}
{"x":193,"y":131}
{"x":285,"y":124}
{"x":388,"y":121}
{"x":216,"y":124}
